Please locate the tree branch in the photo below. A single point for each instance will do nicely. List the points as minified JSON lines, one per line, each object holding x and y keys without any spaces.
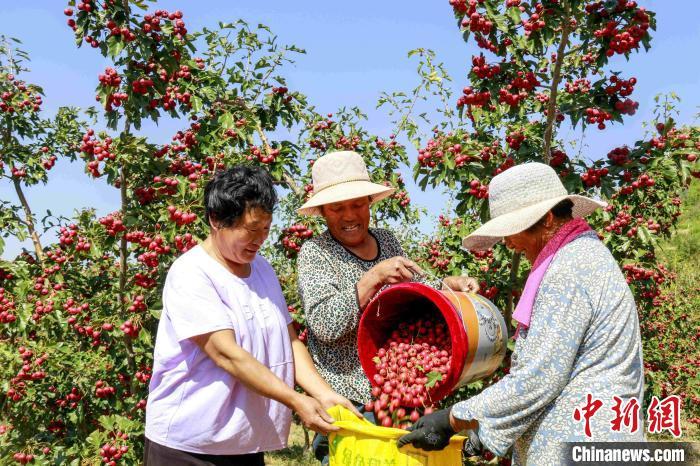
{"x":556,"y":78}
{"x":29,"y":221}
{"x":286,"y":177}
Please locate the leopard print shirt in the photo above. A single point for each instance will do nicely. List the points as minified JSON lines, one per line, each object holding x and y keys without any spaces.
{"x":328,"y":274}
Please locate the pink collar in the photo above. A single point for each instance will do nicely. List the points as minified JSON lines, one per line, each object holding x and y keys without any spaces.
{"x":567,"y":233}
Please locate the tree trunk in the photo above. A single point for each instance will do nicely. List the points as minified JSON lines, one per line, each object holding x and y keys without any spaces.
{"x":556,"y":79}
{"x":29,"y":221}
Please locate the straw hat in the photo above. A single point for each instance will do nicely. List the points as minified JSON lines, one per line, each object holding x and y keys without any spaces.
{"x":518,"y":198}
{"x":340,"y":176}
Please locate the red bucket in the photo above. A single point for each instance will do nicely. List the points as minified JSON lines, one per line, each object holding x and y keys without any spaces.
{"x":476,"y":328}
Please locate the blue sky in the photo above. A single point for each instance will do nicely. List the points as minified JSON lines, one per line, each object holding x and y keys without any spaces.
{"x":355,"y":50}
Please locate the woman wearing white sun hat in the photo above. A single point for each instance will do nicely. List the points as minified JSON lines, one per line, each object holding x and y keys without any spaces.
{"x":341,"y":269}
{"x":578,"y":332}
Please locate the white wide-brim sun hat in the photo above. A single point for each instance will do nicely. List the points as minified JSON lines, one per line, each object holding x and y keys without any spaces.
{"x":341,"y":176}
{"x":518,"y":198}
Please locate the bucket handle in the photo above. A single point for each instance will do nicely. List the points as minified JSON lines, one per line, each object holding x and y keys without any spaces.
{"x":433,"y":277}
{"x":442,"y":282}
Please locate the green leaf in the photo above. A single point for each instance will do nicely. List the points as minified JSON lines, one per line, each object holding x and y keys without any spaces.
{"x":226,"y":121}
{"x":514,"y":15}
{"x":433,"y":378}
{"x":115,"y":47}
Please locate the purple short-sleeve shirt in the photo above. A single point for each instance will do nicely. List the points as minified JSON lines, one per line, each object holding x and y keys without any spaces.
{"x":195,"y":406}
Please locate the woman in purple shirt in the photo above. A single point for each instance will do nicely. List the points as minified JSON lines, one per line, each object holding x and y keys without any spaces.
{"x":226,"y":355}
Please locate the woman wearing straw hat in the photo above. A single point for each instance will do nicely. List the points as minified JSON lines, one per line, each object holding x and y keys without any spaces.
{"x":577,"y":354}
{"x":344,"y":267}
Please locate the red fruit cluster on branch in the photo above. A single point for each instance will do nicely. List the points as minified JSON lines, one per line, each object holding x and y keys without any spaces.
{"x":509,"y":162}
{"x":432,"y":154}
{"x":580,"y":85}
{"x":643,"y":181}
{"x":475,"y":98}
{"x":256,"y":152}
{"x":627,"y":106}
{"x":7,"y":308}
{"x":124,"y":33}
{"x":619,"y":156}
{"x":293,"y":237}
{"x":151,"y":23}
{"x":593,"y":176}
{"x":130,"y":329}
{"x":69,"y":236}
{"x":23,"y":458}
{"x":472,"y":20}
{"x":185,"y":242}
{"x":482,"y":69}
{"x":478,"y":189}
{"x":515,"y":139}
{"x":18,"y":97}
{"x":113,"y":223}
{"x":416,"y":354}
{"x":535,"y":22}
{"x":112,"y":452}
{"x":621,"y":220}
{"x":620,"y":86}
{"x":402,"y":197}
{"x":436,"y":255}
{"x":180,"y":217}
{"x":621,"y":39}
{"x":103,"y":390}
{"x":558,"y":159}
{"x":96,"y":151}
{"x":596,"y":115}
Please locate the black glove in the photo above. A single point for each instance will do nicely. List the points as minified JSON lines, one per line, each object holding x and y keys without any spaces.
{"x":473,"y":447}
{"x":431,"y":432}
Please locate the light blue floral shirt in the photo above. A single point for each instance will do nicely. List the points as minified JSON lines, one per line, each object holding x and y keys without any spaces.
{"x":583,"y":338}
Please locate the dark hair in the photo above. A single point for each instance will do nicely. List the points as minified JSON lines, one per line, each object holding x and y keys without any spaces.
{"x":231,"y":192}
{"x":562,"y":210}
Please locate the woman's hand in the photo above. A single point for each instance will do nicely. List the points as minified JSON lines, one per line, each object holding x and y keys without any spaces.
{"x":397,"y":269}
{"x":313,"y":415}
{"x":431,"y":432}
{"x":329,"y":398}
{"x":460,"y":283}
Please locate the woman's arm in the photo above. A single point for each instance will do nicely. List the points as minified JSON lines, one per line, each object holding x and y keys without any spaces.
{"x":308,"y":378}
{"x":545,"y":360}
{"x":332,"y":310}
{"x":222,"y":348}
{"x":397,"y":269}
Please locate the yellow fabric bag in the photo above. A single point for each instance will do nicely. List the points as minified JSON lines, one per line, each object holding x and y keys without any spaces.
{"x":361,"y":443}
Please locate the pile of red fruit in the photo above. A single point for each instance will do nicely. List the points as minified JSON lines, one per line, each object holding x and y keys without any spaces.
{"x":414,"y":359}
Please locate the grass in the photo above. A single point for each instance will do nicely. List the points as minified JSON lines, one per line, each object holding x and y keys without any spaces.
{"x":683,"y":248}
{"x":681,"y":253}
{"x":296,"y":454}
